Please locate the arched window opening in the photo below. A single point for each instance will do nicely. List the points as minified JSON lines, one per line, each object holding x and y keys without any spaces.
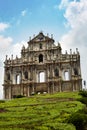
{"x":66,"y":75}
{"x":40,"y":58}
{"x":41,"y":77}
{"x":18,"y":79}
{"x":40,"y":46}
{"x":26,"y":75}
{"x":56,"y":72}
{"x":8,"y":76}
{"x":75,"y":71}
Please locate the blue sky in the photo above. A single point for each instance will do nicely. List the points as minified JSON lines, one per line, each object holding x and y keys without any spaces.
{"x":65,"y":19}
{"x":29,"y":17}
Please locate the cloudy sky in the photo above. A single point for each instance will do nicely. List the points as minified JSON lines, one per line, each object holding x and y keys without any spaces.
{"x":65,"y":19}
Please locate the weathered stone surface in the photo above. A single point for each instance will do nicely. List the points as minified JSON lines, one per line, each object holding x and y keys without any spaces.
{"x":42,"y":68}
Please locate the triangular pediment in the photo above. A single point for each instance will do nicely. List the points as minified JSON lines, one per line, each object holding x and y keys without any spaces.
{"x":41,"y":37}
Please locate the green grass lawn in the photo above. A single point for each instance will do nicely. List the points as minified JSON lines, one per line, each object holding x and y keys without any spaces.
{"x":39,"y":112}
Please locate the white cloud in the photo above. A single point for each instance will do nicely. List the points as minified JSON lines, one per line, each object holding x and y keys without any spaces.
{"x":5,"y":42}
{"x":75,"y":12}
{"x":8,"y":48}
{"x":64,"y":3}
{"x":76,"y":16}
{"x":23,"y":13}
{"x":17,"y":48}
{"x":3,"y":26}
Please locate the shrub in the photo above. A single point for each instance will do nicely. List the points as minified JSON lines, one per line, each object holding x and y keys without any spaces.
{"x":83,"y":100}
{"x":2,"y":101}
{"x":79,"y":120}
{"x":83,"y":93}
{"x":18,"y":96}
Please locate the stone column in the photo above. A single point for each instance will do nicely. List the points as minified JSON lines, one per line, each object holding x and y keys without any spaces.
{"x":53,"y":86}
{"x":60,"y":85}
{"x":9,"y":92}
{"x":29,"y":73}
{"x":5,"y":76}
{"x":48,"y":87}
{"x":22,"y":75}
{"x":28,"y":93}
{"x":48,"y":73}
{"x":73,"y":85}
{"x":4,"y":93}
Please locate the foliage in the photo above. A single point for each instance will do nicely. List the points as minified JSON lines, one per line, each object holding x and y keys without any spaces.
{"x":39,"y":112}
{"x":2,"y":101}
{"x":83,"y":100}
{"x":18,"y":96}
{"x":79,"y":118}
{"x":83,"y":93}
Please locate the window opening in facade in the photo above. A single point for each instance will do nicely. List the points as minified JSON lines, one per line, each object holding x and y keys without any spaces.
{"x":40,"y":58}
{"x":18,"y":78}
{"x":56,"y":72}
{"x":75,"y":71}
{"x":66,"y":75}
{"x":41,"y":77}
{"x":40,"y":46}
{"x":26,"y":75}
{"x":8,"y":76}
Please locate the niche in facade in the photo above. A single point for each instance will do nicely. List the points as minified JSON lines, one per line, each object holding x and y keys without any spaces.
{"x":40,"y":45}
{"x":40,"y":58}
{"x":8,"y":76}
{"x":26,"y":75}
{"x":75,"y":71}
{"x":56,"y":72}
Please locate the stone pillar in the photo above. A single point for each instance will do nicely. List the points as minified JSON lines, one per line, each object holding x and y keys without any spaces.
{"x":48,"y":73}
{"x":28,"y":93}
{"x":53,"y":87}
{"x":22,"y":75}
{"x":12,"y":77}
{"x":46,"y":76}
{"x":4,"y":93}
{"x":5,"y":76}
{"x":29,"y":74}
{"x":33,"y":87}
{"x":79,"y":70}
{"x":9,"y":92}
{"x":35,"y":74}
{"x":60,"y":86}
{"x":48,"y":87}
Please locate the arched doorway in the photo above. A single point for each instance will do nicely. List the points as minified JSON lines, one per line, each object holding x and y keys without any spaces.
{"x":41,"y":77}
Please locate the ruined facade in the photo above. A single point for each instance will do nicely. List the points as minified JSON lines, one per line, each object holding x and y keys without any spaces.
{"x":42,"y":68}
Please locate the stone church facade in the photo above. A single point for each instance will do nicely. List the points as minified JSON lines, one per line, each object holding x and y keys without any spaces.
{"x":42,"y":68}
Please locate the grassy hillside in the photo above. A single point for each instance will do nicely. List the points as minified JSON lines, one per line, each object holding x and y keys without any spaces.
{"x":39,"y":112}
